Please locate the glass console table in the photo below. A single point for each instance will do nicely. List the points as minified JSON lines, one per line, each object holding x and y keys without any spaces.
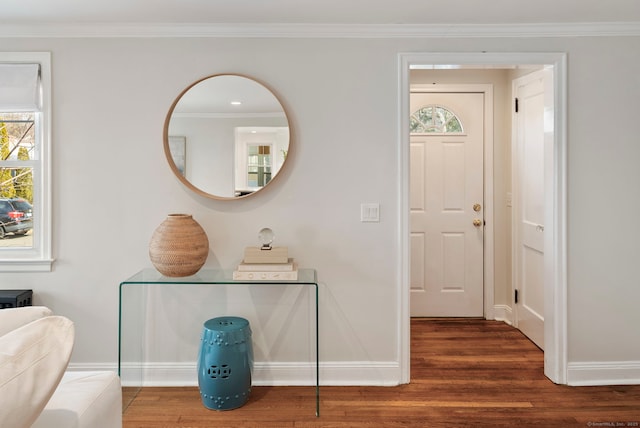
{"x":137,"y":303}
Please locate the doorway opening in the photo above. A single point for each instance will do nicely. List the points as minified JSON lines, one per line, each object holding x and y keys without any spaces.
{"x":451,"y":184}
{"x":555,"y":306}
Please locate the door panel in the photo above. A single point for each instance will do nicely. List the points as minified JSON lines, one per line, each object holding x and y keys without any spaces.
{"x":529,"y":211}
{"x":446,"y":181}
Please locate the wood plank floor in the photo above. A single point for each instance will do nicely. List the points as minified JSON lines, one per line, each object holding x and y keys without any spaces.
{"x":464,"y":373}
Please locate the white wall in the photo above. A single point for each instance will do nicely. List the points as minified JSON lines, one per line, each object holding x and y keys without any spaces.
{"x":112,"y":186}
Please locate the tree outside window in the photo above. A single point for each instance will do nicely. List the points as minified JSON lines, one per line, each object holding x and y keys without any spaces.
{"x":16,"y":144}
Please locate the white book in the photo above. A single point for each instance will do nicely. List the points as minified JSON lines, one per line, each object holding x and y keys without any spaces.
{"x":267,"y":267}
{"x":265,"y":276}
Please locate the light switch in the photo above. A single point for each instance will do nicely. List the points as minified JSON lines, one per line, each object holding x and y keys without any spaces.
{"x":370,"y":213}
{"x":509,"y":199}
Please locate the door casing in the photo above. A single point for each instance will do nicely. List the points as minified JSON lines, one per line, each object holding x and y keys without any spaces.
{"x":555,"y":361}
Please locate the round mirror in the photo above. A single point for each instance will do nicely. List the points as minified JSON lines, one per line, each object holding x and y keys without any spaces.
{"x":226,"y":136}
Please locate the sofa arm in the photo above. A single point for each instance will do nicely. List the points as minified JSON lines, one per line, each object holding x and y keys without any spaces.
{"x":12,"y":318}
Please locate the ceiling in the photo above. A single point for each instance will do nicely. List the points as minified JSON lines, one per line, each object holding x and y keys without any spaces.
{"x":218,"y":94}
{"x":30,"y":12}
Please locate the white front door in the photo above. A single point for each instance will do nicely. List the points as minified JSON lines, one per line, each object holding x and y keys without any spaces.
{"x":528,"y":205}
{"x":447,"y":206}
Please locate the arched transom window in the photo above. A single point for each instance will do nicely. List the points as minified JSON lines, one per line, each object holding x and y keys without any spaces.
{"x":434,"y":119}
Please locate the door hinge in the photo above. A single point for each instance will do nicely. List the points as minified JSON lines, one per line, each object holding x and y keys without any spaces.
{"x":515,"y":296}
{"x":516,"y":105}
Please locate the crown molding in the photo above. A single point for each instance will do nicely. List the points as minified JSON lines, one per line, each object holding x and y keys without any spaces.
{"x":348,"y":31}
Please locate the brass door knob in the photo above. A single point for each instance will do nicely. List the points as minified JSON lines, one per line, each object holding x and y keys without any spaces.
{"x":477,"y":222}
{"x":477,"y":207}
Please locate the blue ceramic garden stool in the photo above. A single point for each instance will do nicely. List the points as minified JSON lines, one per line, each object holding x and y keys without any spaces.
{"x":225,"y":362}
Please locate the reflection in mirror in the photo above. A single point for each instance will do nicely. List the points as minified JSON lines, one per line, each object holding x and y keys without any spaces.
{"x":226,"y":136}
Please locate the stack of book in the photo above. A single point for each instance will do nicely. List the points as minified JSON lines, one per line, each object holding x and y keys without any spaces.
{"x":271,"y":264}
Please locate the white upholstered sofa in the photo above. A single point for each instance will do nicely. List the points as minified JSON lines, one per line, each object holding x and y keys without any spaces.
{"x":36,"y":390}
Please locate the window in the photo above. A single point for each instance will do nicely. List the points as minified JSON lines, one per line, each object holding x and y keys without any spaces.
{"x":25,"y":191}
{"x":258,"y":165}
{"x":434,"y":119}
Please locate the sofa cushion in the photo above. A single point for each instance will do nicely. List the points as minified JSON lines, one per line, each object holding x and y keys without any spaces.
{"x":12,"y":318}
{"x":84,"y":400}
{"x":33,"y":359}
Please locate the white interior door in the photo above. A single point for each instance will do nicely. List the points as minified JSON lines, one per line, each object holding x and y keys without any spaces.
{"x":446,"y":198}
{"x":529,"y":204}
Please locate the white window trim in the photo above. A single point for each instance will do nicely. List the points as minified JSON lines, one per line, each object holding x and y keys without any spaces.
{"x":39,"y":257}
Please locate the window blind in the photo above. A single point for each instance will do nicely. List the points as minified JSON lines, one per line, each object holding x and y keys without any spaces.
{"x":19,"y":87}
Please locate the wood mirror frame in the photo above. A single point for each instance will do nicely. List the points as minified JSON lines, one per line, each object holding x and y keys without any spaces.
{"x":226,"y":136}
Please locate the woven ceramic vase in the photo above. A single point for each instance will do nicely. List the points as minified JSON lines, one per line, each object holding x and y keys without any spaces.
{"x":179,"y":246}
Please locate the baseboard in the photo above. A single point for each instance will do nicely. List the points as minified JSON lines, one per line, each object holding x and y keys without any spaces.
{"x":503,"y":313}
{"x":364,"y":373}
{"x":91,"y":367}
{"x":609,"y":373}
{"x":358,"y":373}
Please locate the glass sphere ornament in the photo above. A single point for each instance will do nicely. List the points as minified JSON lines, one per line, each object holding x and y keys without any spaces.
{"x":266,"y":236}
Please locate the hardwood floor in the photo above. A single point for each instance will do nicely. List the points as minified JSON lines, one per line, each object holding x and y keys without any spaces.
{"x":464,"y":373}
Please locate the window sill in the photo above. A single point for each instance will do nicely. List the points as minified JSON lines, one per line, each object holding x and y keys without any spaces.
{"x":26,"y":265}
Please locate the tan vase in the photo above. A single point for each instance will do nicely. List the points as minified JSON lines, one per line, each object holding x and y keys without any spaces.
{"x":179,"y":246}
